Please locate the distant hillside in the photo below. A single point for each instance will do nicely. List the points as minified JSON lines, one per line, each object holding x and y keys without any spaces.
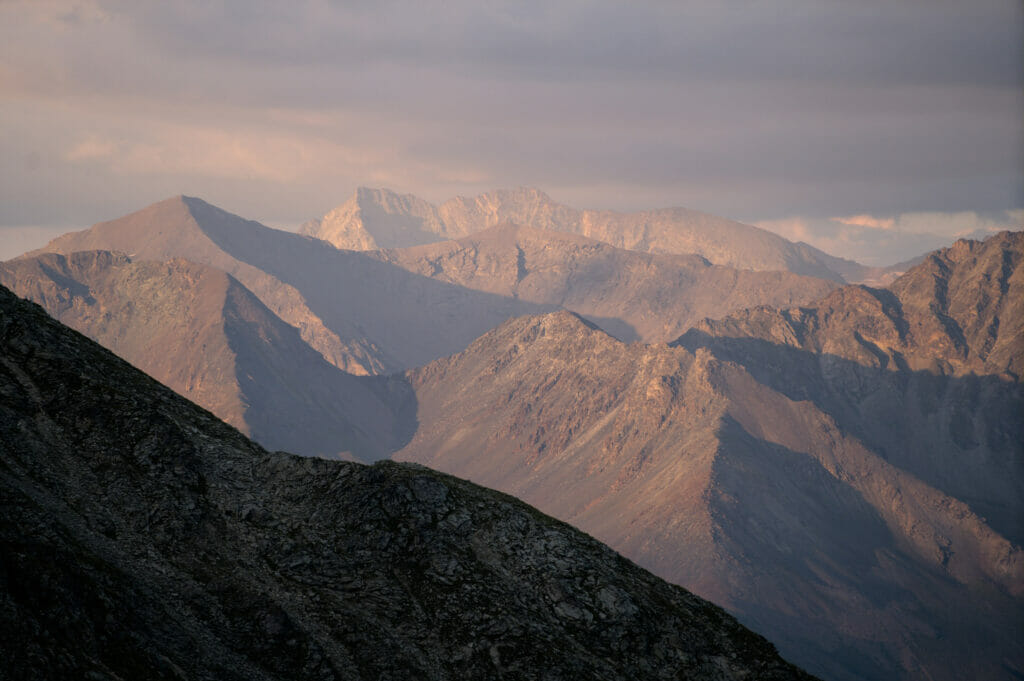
{"x":189,"y":228}
{"x":927,"y":373}
{"x":380,"y":218}
{"x":635,"y":296}
{"x":200,"y":332}
{"x":140,"y":538}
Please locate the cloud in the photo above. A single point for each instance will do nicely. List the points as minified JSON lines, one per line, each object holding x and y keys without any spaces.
{"x":875,"y":240}
{"x":867,"y":221}
{"x":91,"y":148}
{"x":756,"y":111}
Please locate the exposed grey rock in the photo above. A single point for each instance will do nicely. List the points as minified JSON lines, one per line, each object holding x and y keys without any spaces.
{"x":143,"y":538}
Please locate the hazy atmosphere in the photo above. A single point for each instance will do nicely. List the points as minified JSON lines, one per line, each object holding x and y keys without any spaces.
{"x":873,"y":130}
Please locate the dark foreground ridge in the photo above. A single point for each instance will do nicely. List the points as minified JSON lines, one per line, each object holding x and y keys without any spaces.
{"x":140,"y":537}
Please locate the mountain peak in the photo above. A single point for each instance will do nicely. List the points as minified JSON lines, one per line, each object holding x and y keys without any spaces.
{"x":562,"y":328}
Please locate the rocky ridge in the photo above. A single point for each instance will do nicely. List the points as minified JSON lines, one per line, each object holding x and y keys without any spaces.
{"x":961,"y":310}
{"x":143,"y":538}
{"x":927,"y":373}
{"x":375,"y":218}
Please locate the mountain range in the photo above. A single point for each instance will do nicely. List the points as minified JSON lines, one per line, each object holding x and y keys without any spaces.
{"x":232,"y":314}
{"x":143,"y":538}
{"x":839,"y":466}
{"x":380,"y":311}
{"x":380,"y":218}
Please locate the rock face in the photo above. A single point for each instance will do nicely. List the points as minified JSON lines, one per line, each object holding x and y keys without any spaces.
{"x":143,"y":538}
{"x":200,"y":332}
{"x":375,"y":218}
{"x":865,"y":514}
{"x":634,"y":296}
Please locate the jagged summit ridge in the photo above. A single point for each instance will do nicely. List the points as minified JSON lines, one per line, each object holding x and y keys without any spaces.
{"x":369,"y":213}
{"x":398,"y":219}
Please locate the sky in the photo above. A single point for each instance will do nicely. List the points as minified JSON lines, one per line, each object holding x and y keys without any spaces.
{"x":874,"y":129}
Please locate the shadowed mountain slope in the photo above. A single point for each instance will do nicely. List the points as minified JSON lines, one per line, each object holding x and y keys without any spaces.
{"x":200,"y":332}
{"x":634,"y":296}
{"x":184,"y":227}
{"x":363,"y":315}
{"x":858,"y":567}
{"x":142,"y":538}
{"x":380,"y":218}
{"x":854,"y":354}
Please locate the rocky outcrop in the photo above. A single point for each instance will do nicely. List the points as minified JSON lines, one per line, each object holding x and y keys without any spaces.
{"x":375,"y":218}
{"x":143,"y":538}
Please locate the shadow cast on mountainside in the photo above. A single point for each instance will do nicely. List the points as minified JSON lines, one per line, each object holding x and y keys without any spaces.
{"x":963,"y":435}
{"x":412,"y":318}
{"x":817,"y":552}
{"x":807,"y":521}
{"x":296,"y":401}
